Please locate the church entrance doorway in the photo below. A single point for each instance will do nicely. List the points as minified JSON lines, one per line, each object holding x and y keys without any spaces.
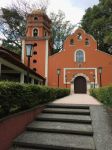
{"x":80,"y":85}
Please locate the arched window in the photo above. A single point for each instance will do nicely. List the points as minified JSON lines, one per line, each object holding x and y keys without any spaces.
{"x":79,"y":56}
{"x":35,"y":18}
{"x":35,"y":32}
{"x":71,"y":42}
{"x":86,"y":42}
{"x":79,"y":36}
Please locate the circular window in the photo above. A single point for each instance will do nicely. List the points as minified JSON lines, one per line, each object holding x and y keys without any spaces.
{"x":34,"y":61}
{"x":35,"y":52}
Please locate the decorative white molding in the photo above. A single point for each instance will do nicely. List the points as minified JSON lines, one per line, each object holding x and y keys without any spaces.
{"x":23,"y":49}
{"x":46,"y":62}
{"x":88,"y":83}
{"x":95,"y":69}
{"x":81,"y":74}
{"x":76,"y":53}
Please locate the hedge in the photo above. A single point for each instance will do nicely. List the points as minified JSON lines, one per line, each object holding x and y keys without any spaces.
{"x":104,"y":95}
{"x":15,"y":97}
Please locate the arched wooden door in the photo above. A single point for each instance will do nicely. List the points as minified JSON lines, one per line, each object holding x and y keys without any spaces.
{"x":80,"y":85}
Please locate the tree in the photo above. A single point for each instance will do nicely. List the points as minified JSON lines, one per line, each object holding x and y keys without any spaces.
{"x":13,"y":22}
{"x":60,"y":29}
{"x":98,"y":22}
{"x":13,"y":28}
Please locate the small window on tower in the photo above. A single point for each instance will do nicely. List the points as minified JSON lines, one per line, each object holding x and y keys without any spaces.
{"x":35,"y":32}
{"x":86,"y":42}
{"x":79,"y":36}
{"x":34,"y":61}
{"x":71,"y":42}
{"x":35,"y":52}
{"x":35,"y":18}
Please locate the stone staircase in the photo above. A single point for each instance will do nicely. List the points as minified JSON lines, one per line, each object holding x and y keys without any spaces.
{"x":58,"y":127}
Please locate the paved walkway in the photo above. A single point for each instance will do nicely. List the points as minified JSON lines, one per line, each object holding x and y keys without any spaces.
{"x":78,"y":99}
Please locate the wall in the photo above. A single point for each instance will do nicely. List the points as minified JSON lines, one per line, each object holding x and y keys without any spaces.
{"x":12,"y":126}
{"x":94,"y":59}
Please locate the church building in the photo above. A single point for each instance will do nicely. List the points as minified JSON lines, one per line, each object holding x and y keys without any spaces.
{"x":78,"y":66}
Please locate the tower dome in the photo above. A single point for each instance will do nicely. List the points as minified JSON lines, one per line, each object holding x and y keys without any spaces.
{"x":38,"y":11}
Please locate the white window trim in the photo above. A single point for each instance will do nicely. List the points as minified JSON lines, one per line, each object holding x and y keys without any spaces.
{"x":33,"y":30}
{"x":76,"y":53}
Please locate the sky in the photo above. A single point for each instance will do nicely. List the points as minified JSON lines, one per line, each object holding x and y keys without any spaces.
{"x":73,"y":9}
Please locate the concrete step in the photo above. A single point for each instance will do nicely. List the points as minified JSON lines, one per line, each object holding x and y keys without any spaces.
{"x":59,"y":127}
{"x":67,"y":111}
{"x":23,"y":148}
{"x":54,"y":141}
{"x":53,"y":105}
{"x":64,"y":118}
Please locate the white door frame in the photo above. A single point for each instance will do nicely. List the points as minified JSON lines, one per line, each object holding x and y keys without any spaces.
{"x":80,"y":74}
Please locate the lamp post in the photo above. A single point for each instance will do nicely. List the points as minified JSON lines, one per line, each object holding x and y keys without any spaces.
{"x":29,"y":53}
{"x":58,"y":73}
{"x":94,"y":79}
{"x":66,"y":80}
{"x":100,"y":73}
{"x":1,"y":42}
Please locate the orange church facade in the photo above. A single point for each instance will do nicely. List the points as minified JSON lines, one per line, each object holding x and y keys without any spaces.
{"x":80,"y":64}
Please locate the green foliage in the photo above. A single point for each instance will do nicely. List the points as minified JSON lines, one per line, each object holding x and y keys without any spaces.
{"x":17,"y":97}
{"x":61,"y":28}
{"x":13,"y":22}
{"x":104,"y":95}
{"x":98,"y":22}
{"x":12,"y":26}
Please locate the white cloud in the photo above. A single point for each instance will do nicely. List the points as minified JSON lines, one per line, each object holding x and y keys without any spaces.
{"x":73,"y":9}
{"x":4,"y":3}
{"x":84,"y":4}
{"x":73,"y":13}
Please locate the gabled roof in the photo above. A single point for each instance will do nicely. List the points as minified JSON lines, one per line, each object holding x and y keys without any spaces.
{"x":15,"y":59}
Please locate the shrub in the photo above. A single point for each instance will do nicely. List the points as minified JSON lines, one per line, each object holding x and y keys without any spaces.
{"x":17,"y":97}
{"x":104,"y":95}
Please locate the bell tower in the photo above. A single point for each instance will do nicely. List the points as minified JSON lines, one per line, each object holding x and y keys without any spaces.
{"x":38,"y":32}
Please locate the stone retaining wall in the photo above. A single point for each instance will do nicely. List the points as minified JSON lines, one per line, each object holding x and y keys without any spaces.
{"x":13,"y":125}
